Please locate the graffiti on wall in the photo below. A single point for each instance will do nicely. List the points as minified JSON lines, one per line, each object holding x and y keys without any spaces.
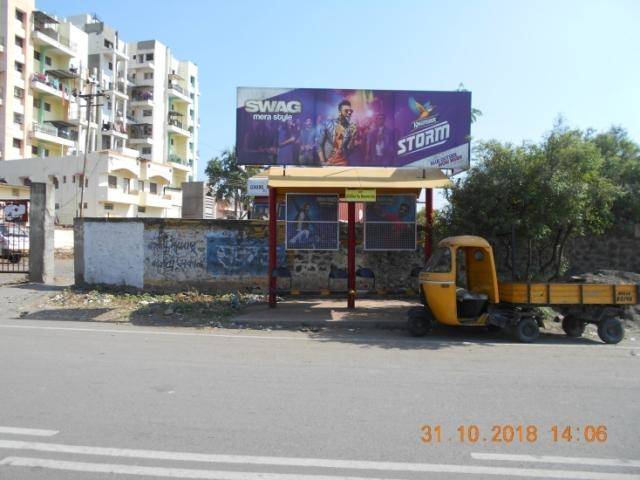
{"x":234,"y":253}
{"x":170,"y":251}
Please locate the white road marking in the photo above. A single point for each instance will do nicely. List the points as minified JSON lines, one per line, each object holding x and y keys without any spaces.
{"x":292,"y":462}
{"x":234,"y":475}
{"x":262,"y":335}
{"x":36,"y":432}
{"x":604,"y":462}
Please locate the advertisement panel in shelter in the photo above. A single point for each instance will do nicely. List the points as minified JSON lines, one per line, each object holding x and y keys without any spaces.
{"x":312,"y":222}
{"x":366,"y":128}
{"x":390,"y":223}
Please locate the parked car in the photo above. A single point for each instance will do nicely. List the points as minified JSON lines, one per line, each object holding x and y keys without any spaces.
{"x":14,"y":242}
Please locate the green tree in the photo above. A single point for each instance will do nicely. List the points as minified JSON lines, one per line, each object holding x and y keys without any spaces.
{"x":622,"y":166}
{"x":544,"y":193}
{"x":229,"y":180}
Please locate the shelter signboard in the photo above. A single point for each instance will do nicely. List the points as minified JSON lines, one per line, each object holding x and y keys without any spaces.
{"x":312,"y":222}
{"x":325,"y":127}
{"x":360,"y":195}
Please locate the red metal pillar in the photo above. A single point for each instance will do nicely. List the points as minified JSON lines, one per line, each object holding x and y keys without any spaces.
{"x":351,"y":256}
{"x":273,"y":240}
{"x":428,"y":228}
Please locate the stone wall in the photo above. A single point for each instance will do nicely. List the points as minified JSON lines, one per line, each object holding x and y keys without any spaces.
{"x":619,"y":250}
{"x":218,"y":255}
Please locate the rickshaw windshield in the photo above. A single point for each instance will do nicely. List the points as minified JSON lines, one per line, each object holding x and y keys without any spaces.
{"x":440,"y":261}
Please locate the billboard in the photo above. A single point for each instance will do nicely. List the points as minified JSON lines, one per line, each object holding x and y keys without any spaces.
{"x":312,"y":222}
{"x":390,"y":223}
{"x":322,"y":127}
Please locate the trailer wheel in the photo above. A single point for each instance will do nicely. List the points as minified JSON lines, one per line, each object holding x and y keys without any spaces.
{"x":611,"y":330}
{"x":419,"y":322}
{"x":573,"y":327}
{"x":527,"y":330}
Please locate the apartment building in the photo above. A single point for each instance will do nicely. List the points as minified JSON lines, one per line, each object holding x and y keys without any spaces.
{"x":117,"y":184}
{"x":164,"y":97}
{"x":142,"y":137}
{"x":107,"y":64}
{"x":42,"y":66}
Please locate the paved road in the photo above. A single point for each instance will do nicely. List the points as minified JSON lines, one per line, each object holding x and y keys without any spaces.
{"x":104,"y":401}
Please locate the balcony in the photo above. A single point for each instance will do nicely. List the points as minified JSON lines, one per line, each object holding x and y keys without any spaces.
{"x":115,"y":128}
{"x":45,"y":33}
{"x":49,"y":85}
{"x":148,"y":199}
{"x":179,"y":163}
{"x":141,"y":134}
{"x":144,"y":64}
{"x":117,"y":89}
{"x":155,"y":171}
{"x":52,"y":134}
{"x":177,"y":92}
{"x":115,"y":195}
{"x":177,"y":127}
{"x":141,"y":97}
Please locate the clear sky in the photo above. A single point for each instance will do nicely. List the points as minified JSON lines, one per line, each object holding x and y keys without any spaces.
{"x":524,"y":62}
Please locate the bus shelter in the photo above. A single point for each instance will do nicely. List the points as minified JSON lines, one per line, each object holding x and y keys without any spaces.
{"x":342,"y":183}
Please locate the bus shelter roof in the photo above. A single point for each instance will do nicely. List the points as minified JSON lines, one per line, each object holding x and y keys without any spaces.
{"x":356,"y":177}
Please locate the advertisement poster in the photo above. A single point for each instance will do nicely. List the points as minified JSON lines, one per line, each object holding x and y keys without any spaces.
{"x":14,"y":211}
{"x":367,"y":128}
{"x":312,"y":222}
{"x":390,"y":223}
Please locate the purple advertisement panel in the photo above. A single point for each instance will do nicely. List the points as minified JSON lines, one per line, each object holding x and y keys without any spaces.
{"x":318,"y":127}
{"x":312,"y":222}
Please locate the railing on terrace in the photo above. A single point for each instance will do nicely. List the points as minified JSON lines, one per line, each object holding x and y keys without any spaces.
{"x":54,"y":35}
{"x":51,"y":82}
{"x":176,"y":87}
{"x":177,"y":159}
{"x":175,"y":123}
{"x":67,"y":134}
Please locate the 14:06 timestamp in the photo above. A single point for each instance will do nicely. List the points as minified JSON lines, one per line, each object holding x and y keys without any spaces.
{"x":509,"y":433}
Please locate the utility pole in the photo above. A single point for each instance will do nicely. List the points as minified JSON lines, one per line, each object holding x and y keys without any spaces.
{"x":89,"y":98}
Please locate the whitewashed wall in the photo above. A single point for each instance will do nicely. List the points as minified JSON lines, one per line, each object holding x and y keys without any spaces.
{"x":113,"y":253}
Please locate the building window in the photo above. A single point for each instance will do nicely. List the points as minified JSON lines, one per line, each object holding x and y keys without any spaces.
{"x":55,"y":183}
{"x":126,"y":185}
{"x":148,"y":75}
{"x":108,"y":44}
{"x":110,"y":66}
{"x":86,"y":182}
{"x":147,"y":113}
{"x":57,"y":206}
{"x":171,"y":141}
{"x":108,"y":206}
{"x":36,"y":55}
{"x":83,"y":207}
{"x":113,"y":181}
{"x":17,"y":143}
{"x":47,"y":107}
{"x":64,"y":179}
{"x":19,"y":41}
{"x":149,"y":57}
{"x":134,"y":57}
{"x":34,"y":150}
{"x":19,"y":67}
{"x":153,"y":187}
{"x":46,"y":152}
{"x":18,"y":92}
{"x":20,"y":16}
{"x":18,"y":118}
{"x":140,"y":186}
{"x":191,"y":146}
{"x":142,"y":209}
{"x":192,"y":96}
{"x":192,"y":113}
{"x":47,"y":61}
{"x":146,"y":150}
{"x":192,"y":79}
